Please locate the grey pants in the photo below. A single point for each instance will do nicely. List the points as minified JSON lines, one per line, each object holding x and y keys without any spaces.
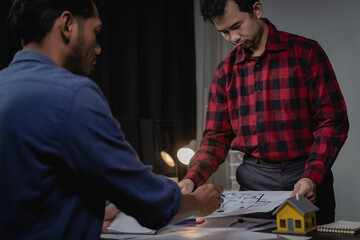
{"x":259,"y":175}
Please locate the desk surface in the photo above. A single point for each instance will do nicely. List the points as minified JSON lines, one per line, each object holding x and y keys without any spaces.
{"x":218,"y":229}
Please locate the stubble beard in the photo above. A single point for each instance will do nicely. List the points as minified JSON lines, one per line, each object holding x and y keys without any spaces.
{"x":75,"y":62}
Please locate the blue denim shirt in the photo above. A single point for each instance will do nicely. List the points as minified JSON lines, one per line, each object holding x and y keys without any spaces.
{"x":62,"y":154}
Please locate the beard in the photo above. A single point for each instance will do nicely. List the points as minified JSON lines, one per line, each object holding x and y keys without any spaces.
{"x":77,"y":61}
{"x":247,"y":44}
{"x":74,"y":62}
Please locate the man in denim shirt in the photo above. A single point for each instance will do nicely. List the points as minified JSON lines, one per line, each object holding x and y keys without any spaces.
{"x":61,"y":151}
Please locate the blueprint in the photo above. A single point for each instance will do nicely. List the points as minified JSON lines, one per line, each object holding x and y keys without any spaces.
{"x":244,"y":202}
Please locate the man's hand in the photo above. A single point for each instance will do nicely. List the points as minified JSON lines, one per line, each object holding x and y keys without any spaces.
{"x":305,"y":187}
{"x":110,"y":212}
{"x":186,"y":186}
{"x":202,"y":202}
{"x":209,"y":198}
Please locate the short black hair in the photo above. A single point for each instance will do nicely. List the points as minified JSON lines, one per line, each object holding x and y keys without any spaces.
{"x":213,"y":8}
{"x":31,"y":20}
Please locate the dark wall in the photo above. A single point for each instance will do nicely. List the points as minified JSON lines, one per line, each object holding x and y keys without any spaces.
{"x":147,"y":66}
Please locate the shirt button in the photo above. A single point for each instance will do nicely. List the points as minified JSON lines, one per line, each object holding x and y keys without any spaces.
{"x":261,"y":145}
{"x":260,"y":116}
{"x":258,"y":91}
{"x":257,"y":66}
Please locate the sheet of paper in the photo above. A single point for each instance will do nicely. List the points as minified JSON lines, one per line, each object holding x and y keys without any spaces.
{"x":244,"y":202}
{"x":127,"y":224}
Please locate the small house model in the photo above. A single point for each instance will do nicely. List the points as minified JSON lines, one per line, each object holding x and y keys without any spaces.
{"x":296,"y":215}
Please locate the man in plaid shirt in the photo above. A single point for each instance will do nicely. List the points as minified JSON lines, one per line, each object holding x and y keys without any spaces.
{"x":275,"y":98}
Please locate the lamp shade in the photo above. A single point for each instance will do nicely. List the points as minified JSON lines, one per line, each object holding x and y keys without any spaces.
{"x":185,"y":153}
{"x":167,"y":159}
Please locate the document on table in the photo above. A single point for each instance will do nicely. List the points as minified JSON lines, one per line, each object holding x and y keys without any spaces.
{"x":244,"y":202}
{"x":127,"y":224}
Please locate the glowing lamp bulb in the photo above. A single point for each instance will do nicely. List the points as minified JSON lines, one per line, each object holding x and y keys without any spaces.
{"x":185,"y":154}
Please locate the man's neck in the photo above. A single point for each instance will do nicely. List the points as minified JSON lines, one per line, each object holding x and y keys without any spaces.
{"x":260,"y":47}
{"x":35,"y":47}
{"x":45,"y":49}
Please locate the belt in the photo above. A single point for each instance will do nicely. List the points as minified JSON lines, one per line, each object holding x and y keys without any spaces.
{"x":266,"y":162}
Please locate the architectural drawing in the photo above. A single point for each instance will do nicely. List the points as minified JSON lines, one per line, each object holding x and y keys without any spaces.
{"x":244,"y":202}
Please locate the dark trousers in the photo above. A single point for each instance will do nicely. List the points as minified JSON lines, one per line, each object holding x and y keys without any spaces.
{"x":259,"y":175}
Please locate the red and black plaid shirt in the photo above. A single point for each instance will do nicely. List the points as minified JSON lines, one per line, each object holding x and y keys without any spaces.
{"x":282,"y":105}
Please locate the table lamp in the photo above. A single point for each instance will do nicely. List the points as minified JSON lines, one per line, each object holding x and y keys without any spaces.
{"x":185,"y":153}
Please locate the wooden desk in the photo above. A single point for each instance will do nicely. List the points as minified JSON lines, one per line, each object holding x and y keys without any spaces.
{"x":183,"y":232}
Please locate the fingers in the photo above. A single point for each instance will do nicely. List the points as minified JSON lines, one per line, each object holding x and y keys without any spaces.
{"x":110,"y":212}
{"x":295,"y":191}
{"x":218,"y":200}
{"x":186,"y":186}
{"x":221,"y":201}
{"x":311,"y":195}
{"x":305,"y":187}
{"x":220,"y":189}
{"x":210,"y":198}
{"x":104,"y":227}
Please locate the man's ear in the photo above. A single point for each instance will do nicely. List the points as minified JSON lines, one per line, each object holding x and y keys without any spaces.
{"x":257,"y":9}
{"x":66,"y":24}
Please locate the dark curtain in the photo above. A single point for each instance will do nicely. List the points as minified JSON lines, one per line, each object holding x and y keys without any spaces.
{"x":8,"y":44}
{"x":147,"y":66}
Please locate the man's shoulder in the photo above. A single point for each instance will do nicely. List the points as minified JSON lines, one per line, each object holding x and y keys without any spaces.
{"x":230,"y":59}
{"x":36,"y":68}
{"x":58,"y":77}
{"x":65,"y":78}
{"x":298,"y":41}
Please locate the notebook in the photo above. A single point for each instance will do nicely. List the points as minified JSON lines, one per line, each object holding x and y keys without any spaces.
{"x":340,"y":227}
{"x":126,"y":224}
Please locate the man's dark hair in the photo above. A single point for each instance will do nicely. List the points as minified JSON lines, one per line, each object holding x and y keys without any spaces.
{"x":31,"y":20}
{"x":213,"y":8}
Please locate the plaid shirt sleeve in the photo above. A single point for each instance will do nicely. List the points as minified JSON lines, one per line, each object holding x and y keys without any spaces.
{"x":218,"y":133}
{"x":329,"y":114}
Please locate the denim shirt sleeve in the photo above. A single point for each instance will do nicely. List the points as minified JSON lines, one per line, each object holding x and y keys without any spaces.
{"x":101,"y":155}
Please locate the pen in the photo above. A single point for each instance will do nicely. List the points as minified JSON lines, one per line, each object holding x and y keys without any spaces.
{"x":191,"y":221}
{"x":237,"y":221}
{"x":259,"y":225}
{"x":198,"y":221}
{"x":186,"y":220}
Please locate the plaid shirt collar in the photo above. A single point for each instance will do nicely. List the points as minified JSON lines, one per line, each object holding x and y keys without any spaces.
{"x":273,"y":43}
